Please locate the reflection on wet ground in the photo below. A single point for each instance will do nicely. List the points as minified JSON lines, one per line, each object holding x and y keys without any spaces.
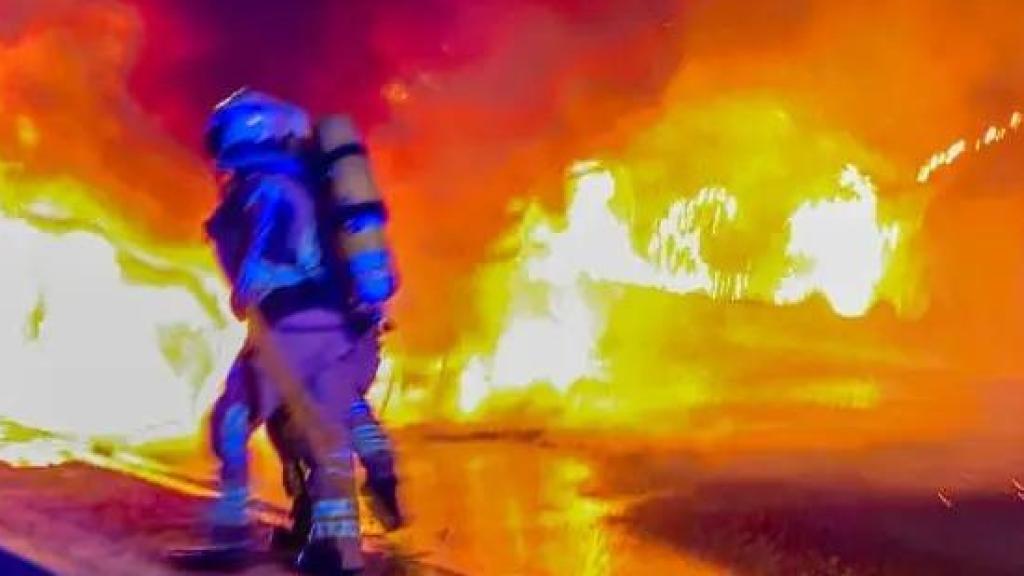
{"x":519,"y":509}
{"x":533,"y":505}
{"x":507,"y":508}
{"x":528,"y":506}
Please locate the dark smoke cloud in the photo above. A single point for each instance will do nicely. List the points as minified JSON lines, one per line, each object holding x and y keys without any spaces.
{"x":195,"y":52}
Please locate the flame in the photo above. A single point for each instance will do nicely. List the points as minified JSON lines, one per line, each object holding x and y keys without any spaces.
{"x":102,"y":338}
{"x":552,"y":323}
{"x":841,"y":247}
{"x":561,"y":283}
{"x":729,"y":196}
{"x":992,"y":135}
{"x":555,"y":321}
{"x":111,"y":321}
{"x":675,"y":248}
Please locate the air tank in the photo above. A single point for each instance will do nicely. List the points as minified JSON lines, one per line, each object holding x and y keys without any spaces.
{"x":361,"y":214}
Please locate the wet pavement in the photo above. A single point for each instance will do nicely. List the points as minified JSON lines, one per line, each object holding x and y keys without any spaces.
{"x":530,"y":507}
{"x":516,"y":508}
{"x":526,"y":504}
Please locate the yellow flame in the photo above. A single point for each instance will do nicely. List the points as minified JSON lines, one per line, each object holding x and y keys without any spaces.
{"x":106,"y":335}
{"x":556,"y":311}
{"x":91,"y":349}
{"x":552,"y":325}
{"x":675,"y":247}
{"x":940,"y":159}
{"x":556,"y":319}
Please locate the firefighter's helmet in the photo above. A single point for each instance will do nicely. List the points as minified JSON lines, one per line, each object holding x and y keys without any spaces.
{"x":250,"y":127}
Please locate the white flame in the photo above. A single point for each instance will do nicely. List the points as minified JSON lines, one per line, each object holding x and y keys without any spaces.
{"x":86,"y":353}
{"x":842,"y":248}
{"x":554,"y":320}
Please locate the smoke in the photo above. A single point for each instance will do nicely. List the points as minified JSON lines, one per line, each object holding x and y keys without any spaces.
{"x":67,"y":113}
{"x":467,"y":105}
{"x":472,"y":106}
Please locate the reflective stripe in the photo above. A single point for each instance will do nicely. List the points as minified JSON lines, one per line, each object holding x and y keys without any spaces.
{"x":372,"y":276}
{"x":343,"y":455}
{"x":335,"y":518}
{"x":370,"y":439}
{"x":343,"y":507}
{"x":359,"y":408}
{"x":338,"y":464}
{"x":340,"y":528}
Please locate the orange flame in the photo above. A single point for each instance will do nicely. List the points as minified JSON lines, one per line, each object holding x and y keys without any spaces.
{"x":733,"y":220}
{"x":556,"y":297}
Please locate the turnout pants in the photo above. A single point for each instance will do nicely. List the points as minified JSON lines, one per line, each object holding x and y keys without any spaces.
{"x":333,"y":369}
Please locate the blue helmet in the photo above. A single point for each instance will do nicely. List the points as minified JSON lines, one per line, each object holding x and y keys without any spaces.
{"x":250,"y":128}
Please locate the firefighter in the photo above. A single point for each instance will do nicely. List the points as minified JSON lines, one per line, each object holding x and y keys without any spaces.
{"x":312,"y":290}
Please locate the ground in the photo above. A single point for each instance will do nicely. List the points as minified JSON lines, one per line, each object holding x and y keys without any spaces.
{"x":496,"y":504}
